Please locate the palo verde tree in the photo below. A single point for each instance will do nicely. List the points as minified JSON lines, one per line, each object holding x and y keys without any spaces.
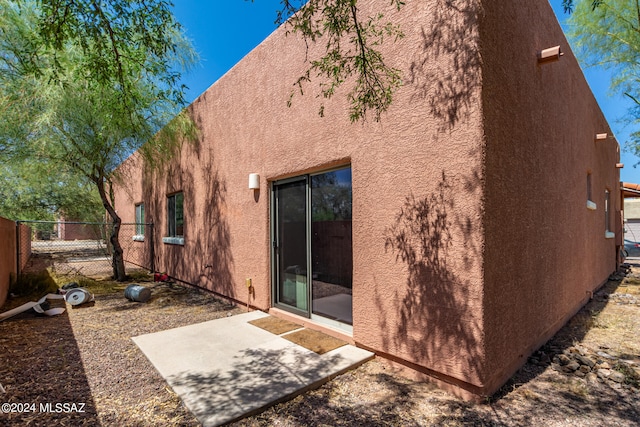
{"x":87,"y":82}
{"x":29,"y":191}
{"x":352,"y":41}
{"x":606,"y":33}
{"x":82,"y":89}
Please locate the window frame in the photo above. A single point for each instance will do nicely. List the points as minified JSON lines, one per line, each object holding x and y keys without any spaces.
{"x":607,"y":215}
{"x":139,"y":222}
{"x":591,"y":205}
{"x":175,"y":219}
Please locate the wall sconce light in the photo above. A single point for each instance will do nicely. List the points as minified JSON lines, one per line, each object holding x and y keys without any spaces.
{"x":549,"y":55}
{"x":254,"y":181}
{"x":601,"y":136}
{"x":619,"y":165}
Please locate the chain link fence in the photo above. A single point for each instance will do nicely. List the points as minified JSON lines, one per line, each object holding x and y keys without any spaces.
{"x":83,"y":248}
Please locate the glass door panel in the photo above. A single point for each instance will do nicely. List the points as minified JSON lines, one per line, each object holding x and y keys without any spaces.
{"x":331,"y":245}
{"x":291,"y":244}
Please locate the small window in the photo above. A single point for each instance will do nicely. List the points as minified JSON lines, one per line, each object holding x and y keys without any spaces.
{"x":607,"y":215}
{"x":590,"y":203}
{"x":175,"y":219}
{"x":140,"y":219}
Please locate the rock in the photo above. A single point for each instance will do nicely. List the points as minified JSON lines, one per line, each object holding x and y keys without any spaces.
{"x":572,"y":366}
{"x":584,"y":360}
{"x":591,"y":378}
{"x":564,"y":359}
{"x":584,"y":369}
{"x":604,"y":373}
{"x":580,"y":374}
{"x":605,"y":355}
{"x":616,"y":376}
{"x":604,"y":365}
{"x":580,"y":349}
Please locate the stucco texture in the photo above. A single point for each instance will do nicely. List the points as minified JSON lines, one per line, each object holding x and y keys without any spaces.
{"x":545,"y":251}
{"x":452,"y":234}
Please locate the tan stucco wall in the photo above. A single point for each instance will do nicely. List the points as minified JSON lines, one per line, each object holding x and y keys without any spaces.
{"x":632,"y":208}
{"x":7,"y":256}
{"x":471,"y":238}
{"x":545,"y":251}
{"x":427,"y":149}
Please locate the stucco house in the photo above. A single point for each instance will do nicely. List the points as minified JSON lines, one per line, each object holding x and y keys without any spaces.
{"x":454,"y":237}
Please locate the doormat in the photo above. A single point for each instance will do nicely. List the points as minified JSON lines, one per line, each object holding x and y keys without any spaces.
{"x":314,"y":340}
{"x":275,"y":325}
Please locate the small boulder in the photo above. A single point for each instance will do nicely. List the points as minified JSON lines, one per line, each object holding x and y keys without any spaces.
{"x":564,"y":359}
{"x":585,"y":360}
{"x":603,"y":373}
{"x":591,"y":378}
{"x":616,"y":376}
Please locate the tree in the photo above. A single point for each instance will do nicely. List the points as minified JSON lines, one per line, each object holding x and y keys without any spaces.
{"x":351,"y":44}
{"x":83,"y":106}
{"x":85,"y":83}
{"x":568,"y":5}
{"x":29,"y":191}
{"x":104,"y":30}
{"x":607,"y":34}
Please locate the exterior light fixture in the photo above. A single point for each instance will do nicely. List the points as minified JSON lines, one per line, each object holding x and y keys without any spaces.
{"x":254,"y":181}
{"x":549,"y":55}
{"x":601,"y":136}
{"x":619,"y":165}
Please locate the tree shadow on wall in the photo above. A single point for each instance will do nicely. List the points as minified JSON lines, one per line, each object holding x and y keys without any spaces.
{"x":446,"y":71}
{"x":213,"y":245}
{"x":205,"y":259}
{"x":436,"y":310}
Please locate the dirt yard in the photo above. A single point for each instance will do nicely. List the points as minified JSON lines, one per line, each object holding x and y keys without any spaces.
{"x":81,"y":368}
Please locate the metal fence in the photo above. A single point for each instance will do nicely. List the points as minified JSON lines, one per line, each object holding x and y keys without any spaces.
{"x":83,"y":248}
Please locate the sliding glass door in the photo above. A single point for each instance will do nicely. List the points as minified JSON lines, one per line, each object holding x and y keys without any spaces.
{"x":313,"y":261}
{"x":291,"y":243}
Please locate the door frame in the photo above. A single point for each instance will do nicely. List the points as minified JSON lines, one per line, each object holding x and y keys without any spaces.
{"x":273,"y":234}
{"x":275,"y":254}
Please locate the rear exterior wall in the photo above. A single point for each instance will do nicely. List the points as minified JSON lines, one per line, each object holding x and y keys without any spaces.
{"x":545,"y":250}
{"x":416,"y":177}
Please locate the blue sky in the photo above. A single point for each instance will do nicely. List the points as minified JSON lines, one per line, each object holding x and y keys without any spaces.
{"x":224,"y":31}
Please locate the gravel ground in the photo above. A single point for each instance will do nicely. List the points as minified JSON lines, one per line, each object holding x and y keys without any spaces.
{"x":86,"y":356}
{"x":86,"y":359}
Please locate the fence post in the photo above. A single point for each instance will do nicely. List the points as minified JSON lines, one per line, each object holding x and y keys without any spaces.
{"x":152,"y":248}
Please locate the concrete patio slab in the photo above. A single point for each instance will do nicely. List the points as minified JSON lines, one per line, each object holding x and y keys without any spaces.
{"x":226,"y":369}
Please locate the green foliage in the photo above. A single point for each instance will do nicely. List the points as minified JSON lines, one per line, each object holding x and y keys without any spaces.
{"x":87,"y":83}
{"x":120,"y":41}
{"x":83,"y":85}
{"x":29,"y":191}
{"x":351,"y":52}
{"x":607,"y":34}
{"x":568,"y":5}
